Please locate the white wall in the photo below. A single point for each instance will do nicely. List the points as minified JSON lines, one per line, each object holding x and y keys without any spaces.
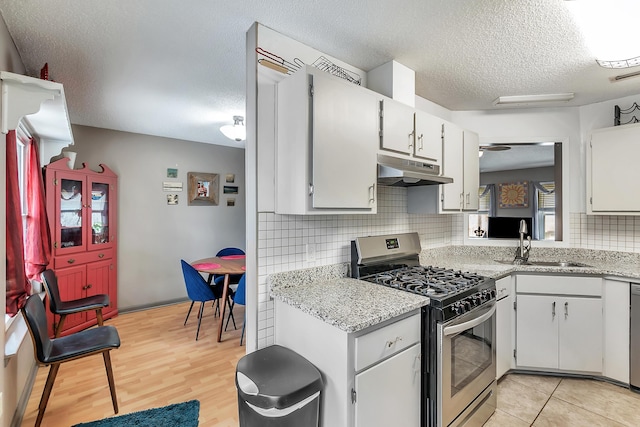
{"x":154,"y":236}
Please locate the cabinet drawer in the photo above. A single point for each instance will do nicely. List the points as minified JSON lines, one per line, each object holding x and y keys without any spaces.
{"x":503,"y":287}
{"x":383,"y":342}
{"x":565,"y":285}
{"x":82,"y":258}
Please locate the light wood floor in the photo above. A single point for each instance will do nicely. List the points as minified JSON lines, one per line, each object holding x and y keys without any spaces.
{"x":159,"y":363}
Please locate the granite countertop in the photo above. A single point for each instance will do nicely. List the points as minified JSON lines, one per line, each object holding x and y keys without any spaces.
{"x":352,"y":305}
{"x":348,"y":304}
{"x":482,"y":260}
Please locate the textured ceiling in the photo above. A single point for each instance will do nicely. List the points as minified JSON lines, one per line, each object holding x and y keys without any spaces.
{"x":177,"y":69}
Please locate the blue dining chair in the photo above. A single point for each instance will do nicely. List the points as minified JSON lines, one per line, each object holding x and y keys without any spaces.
{"x":218,"y":279}
{"x":239,"y":298}
{"x":197,"y":290}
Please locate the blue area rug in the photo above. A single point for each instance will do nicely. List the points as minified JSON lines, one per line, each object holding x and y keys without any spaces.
{"x":180,"y":414}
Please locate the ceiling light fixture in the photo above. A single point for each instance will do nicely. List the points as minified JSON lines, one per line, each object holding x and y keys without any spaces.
{"x":607,"y":28}
{"x":236,"y":131}
{"x":533,"y":99}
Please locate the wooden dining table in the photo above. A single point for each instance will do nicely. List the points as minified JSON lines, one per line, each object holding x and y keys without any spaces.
{"x":224,"y":265}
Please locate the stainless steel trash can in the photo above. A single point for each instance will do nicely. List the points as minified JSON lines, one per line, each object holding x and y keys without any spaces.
{"x":278,"y":388}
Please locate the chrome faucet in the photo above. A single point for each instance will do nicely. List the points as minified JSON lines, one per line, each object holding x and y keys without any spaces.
{"x":522,"y":251}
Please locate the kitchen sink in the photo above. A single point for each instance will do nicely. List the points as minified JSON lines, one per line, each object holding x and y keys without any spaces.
{"x":545,"y":263}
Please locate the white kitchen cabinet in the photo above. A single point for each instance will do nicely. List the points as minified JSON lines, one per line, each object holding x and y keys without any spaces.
{"x":371,"y":377}
{"x":504,"y":329}
{"x":429,"y":135}
{"x":397,"y":380}
{"x":460,"y":161}
{"x":411,"y":132}
{"x":327,"y":134}
{"x":562,"y":330}
{"x":612,"y":170}
{"x":396,"y":127}
{"x":616,"y":311}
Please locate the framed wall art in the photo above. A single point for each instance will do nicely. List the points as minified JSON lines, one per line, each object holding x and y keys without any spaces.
{"x":514,"y":195}
{"x":203,"y":189}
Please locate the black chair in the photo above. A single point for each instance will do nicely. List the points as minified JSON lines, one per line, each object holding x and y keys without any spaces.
{"x":56,"y":351}
{"x":64,"y":308}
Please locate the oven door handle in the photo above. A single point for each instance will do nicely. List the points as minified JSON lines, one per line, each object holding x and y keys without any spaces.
{"x":454,"y":329}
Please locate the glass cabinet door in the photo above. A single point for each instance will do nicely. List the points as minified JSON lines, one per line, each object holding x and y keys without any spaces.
{"x":100,"y":212}
{"x":70,"y":221}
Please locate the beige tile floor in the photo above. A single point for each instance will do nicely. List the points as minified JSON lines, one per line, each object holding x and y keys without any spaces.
{"x":532,"y":400}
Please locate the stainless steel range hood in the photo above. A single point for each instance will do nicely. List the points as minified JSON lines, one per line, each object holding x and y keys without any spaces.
{"x":398,"y":172}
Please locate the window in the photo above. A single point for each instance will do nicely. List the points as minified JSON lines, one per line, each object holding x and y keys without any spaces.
{"x":479,"y":222}
{"x":547,"y":211}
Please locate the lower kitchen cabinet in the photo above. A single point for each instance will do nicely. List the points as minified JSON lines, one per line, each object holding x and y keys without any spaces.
{"x":397,"y":380}
{"x":559,"y":331}
{"x":371,"y":377}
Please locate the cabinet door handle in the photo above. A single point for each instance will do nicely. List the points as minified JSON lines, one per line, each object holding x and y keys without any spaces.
{"x":553,"y":310}
{"x":100,"y":255}
{"x":468,"y":198}
{"x":421,"y":139}
{"x":411,"y":136}
{"x":71,"y":260}
{"x":566,"y":309}
{"x":394,"y":342}
{"x":372,"y":193}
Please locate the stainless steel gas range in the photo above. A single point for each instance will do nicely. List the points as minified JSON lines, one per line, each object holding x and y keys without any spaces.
{"x":458,"y":327}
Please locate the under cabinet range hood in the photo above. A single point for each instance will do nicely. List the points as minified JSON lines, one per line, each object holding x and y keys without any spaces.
{"x":399,"y":172}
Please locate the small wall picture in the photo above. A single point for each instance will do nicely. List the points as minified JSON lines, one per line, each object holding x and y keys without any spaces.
{"x":231,"y":201}
{"x":230,"y":178}
{"x":172,"y":199}
{"x":172,"y":173}
{"x":203,"y":189}
{"x":172,"y":186}
{"x":229,"y":189}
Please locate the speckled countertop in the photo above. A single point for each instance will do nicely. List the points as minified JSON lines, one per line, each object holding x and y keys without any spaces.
{"x":352,"y":305}
{"x":483,"y":261}
{"x":348,"y":304}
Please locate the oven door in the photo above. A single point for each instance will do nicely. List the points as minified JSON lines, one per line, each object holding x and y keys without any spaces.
{"x":466,"y":365}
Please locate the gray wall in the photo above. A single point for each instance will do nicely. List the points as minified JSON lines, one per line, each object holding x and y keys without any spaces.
{"x":154,"y":236}
{"x":505,"y":177}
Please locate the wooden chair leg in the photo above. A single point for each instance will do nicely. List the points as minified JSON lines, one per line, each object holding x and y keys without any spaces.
{"x":188,"y":313}
{"x":199,"y":319}
{"x":60,"y":324}
{"x":112,"y":384}
{"x":99,"y":316}
{"x":53,"y":371}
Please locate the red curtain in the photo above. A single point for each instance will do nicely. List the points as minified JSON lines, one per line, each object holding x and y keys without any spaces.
{"x":18,"y":287}
{"x":38,"y":242}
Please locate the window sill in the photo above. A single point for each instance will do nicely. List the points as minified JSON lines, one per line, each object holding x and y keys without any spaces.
{"x":15,"y":331}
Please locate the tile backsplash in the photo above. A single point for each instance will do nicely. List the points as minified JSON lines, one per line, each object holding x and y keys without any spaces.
{"x":292,"y":242}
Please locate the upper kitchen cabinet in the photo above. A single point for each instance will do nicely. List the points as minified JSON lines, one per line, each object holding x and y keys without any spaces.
{"x":411,"y":132}
{"x":429,"y":135}
{"x":326,"y":148}
{"x":396,"y":127}
{"x":612,"y":167}
{"x":460,"y":161}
